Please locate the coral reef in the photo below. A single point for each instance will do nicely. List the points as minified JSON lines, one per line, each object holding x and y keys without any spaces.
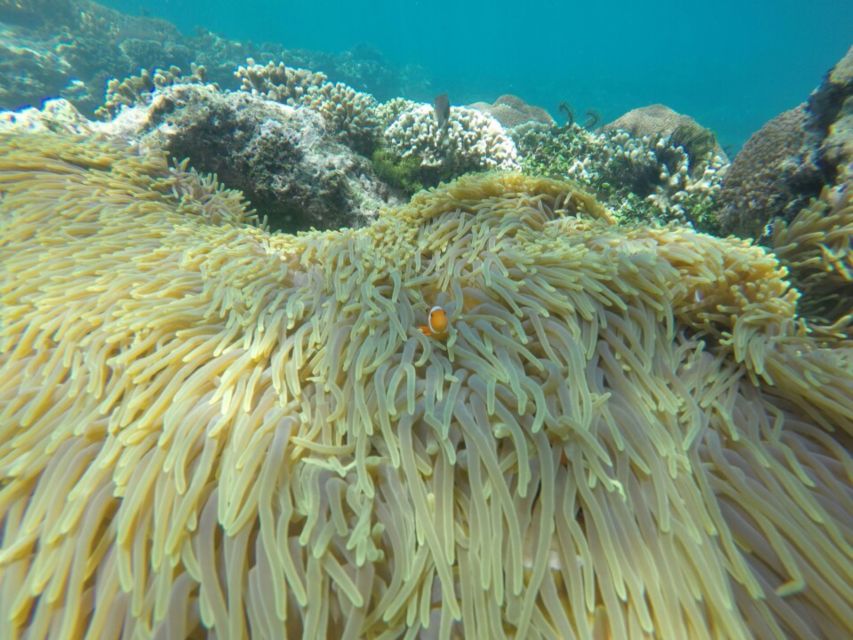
{"x":282,"y":158}
{"x":470,"y":141}
{"x":512,"y":111}
{"x":363,"y":67}
{"x":37,"y":14}
{"x":791,"y":159}
{"x":645,"y":179}
{"x":659,"y":121}
{"x":139,"y":89}
{"x":71,"y":48}
{"x":288,"y":164}
{"x":30,"y":73}
{"x":774,"y":175}
{"x":350,"y":115}
{"x":626,"y":433}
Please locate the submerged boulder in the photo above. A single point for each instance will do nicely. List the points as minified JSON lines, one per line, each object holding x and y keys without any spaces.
{"x":831,"y":106}
{"x":281,"y":157}
{"x":774,"y":175}
{"x":786,"y":163}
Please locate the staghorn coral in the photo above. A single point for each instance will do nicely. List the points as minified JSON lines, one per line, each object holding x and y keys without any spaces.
{"x":392,"y":109}
{"x":277,"y":82}
{"x":140,"y":89}
{"x":350,"y":114}
{"x":627,"y":434}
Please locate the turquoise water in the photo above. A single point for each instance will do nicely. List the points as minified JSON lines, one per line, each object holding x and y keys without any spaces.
{"x":731,"y":65}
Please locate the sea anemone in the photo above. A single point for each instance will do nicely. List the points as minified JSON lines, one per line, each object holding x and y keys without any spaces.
{"x":816,"y":249}
{"x":207,"y":428}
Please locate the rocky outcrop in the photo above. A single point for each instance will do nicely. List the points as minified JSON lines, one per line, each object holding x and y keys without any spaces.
{"x":774,"y":175}
{"x":831,"y":106}
{"x":786,"y":163}
{"x":284,"y":161}
{"x":280,"y":157}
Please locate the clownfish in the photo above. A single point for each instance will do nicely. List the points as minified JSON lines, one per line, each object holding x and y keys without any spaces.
{"x":437,"y":323}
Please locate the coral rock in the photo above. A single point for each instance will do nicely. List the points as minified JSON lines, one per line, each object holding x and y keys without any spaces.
{"x":792,"y":158}
{"x":281,"y":157}
{"x":512,"y":111}
{"x":659,"y":121}
{"x":775,"y":174}
{"x":831,"y":106}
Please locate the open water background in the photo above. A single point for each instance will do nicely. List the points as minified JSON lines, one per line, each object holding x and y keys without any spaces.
{"x":732,"y":65}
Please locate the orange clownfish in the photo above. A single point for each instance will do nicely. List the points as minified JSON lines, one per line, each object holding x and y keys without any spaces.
{"x":437,"y":323}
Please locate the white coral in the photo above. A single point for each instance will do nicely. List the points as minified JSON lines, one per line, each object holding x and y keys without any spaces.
{"x":470,"y":140}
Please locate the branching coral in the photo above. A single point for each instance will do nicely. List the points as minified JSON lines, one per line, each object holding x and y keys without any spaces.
{"x":348,"y":113}
{"x":139,"y":90}
{"x":205,"y":426}
{"x":276,"y":81}
{"x":641,"y":178}
{"x":470,"y":141}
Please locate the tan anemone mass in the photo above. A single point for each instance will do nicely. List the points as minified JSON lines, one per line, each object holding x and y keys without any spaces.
{"x":210,"y":430}
{"x":817,"y":249}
